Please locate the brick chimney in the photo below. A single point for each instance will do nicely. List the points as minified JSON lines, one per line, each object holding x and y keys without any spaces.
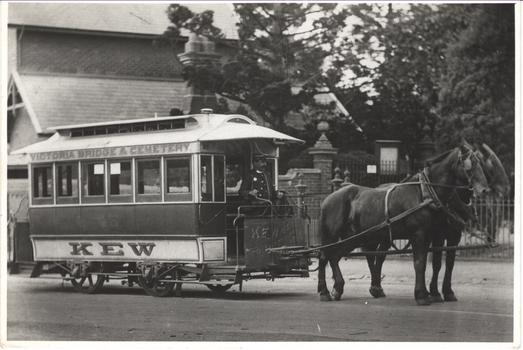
{"x":198,"y":50}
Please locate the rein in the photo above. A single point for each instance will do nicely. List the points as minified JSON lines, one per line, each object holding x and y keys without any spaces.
{"x":431,"y":199}
{"x":373,"y":228}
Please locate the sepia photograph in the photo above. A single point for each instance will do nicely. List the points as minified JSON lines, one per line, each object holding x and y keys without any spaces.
{"x":248,"y":174}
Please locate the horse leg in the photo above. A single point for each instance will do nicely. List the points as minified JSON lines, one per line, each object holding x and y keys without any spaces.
{"x":371,"y":262}
{"x":375,"y":263}
{"x":420,"y":246}
{"x":339,"y":282}
{"x":322,"y":283}
{"x":435,"y":296}
{"x":448,"y":293}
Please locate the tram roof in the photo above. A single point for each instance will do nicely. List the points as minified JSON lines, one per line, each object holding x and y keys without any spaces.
{"x":209,"y":127}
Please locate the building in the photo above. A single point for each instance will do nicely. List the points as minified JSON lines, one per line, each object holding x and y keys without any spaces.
{"x":79,"y":63}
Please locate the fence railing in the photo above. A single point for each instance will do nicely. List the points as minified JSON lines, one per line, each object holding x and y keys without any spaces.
{"x":373,"y":174}
{"x":494,"y":226}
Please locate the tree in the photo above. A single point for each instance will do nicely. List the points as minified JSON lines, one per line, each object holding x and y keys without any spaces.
{"x":478,"y":89}
{"x":276,"y":63}
{"x":395,"y":54}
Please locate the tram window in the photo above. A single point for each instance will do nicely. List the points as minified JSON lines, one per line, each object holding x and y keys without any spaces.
{"x":238,"y":121}
{"x":178,"y":179}
{"x":112,"y":129}
{"x":206,"y":178}
{"x":100,"y":130}
{"x":93,"y":182}
{"x":88,"y":131}
{"x":66,"y":183}
{"x":124,"y":129}
{"x":151,"y":126}
{"x":233,"y":175}
{"x":138,"y":127}
{"x":43,"y":184}
{"x":219,"y":182}
{"x":120,"y":181}
{"x":148,"y":180}
{"x":212,"y":178}
{"x":77,"y":132}
{"x":165,"y":125}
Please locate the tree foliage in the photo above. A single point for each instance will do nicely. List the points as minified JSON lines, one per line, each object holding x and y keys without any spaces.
{"x":477,"y":91}
{"x":276,"y":64}
{"x":396,"y":55}
{"x":404,"y":71}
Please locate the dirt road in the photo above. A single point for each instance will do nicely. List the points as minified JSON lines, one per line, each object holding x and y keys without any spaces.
{"x":287,"y":309}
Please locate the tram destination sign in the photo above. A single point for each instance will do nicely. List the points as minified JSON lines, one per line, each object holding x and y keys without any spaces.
{"x":114,"y":152}
{"x":116,"y":249}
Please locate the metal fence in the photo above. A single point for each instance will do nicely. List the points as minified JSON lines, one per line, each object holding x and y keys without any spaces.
{"x":373,"y":174}
{"x":495,"y":227}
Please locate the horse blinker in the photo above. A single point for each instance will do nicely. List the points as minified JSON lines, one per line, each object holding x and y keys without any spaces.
{"x":467,"y":164}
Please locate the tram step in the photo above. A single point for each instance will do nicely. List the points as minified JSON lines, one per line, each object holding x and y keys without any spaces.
{"x":223,"y":277}
{"x":221,"y":271}
{"x":211,"y":270}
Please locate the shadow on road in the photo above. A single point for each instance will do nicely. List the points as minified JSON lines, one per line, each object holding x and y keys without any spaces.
{"x":187,"y":292}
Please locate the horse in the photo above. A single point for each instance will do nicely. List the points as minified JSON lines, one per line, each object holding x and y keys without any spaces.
{"x":451,"y":221}
{"x":451,"y":224}
{"x":451,"y":229}
{"x":357,"y":216}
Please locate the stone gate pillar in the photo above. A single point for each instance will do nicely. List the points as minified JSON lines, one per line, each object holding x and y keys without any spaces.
{"x":323,"y":156}
{"x":198,"y":51}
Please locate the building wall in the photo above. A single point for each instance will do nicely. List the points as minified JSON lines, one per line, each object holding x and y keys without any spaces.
{"x":22,"y":131}
{"x":311,"y":178}
{"x":96,"y":54}
{"x":11,"y":50}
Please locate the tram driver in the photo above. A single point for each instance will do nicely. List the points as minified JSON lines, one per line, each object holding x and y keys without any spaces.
{"x":257,"y":187}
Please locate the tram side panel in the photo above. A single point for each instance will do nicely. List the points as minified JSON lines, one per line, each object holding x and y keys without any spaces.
{"x":262,"y":233}
{"x":163,"y":232}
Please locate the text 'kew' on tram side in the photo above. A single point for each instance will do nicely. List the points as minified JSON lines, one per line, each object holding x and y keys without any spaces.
{"x":111,"y":248}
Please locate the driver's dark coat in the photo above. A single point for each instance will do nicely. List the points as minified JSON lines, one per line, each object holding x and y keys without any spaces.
{"x":260,"y":181}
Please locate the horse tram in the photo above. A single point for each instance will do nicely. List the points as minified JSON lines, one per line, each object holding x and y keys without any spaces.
{"x":155,"y":202}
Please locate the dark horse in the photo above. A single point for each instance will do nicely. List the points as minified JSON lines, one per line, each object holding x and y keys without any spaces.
{"x":346,"y":213}
{"x":451,"y":228}
{"x":451,"y":222}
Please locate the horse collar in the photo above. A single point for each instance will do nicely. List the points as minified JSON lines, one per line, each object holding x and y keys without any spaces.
{"x":427,"y":190}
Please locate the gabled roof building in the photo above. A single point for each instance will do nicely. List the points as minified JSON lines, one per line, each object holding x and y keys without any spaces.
{"x":77,"y":63}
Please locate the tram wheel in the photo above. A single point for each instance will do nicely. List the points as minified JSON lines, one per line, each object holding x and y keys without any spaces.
{"x":87,"y":285}
{"x":219,"y":288}
{"x":156,"y":288}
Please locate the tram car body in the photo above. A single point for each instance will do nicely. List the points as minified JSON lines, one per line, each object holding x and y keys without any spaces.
{"x":156,"y":202}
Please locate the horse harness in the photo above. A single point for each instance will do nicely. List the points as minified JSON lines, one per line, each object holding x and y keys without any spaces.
{"x":428,"y":194}
{"x":429,"y":199}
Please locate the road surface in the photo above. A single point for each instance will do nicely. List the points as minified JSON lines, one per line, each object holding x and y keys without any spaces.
{"x":46,"y":308}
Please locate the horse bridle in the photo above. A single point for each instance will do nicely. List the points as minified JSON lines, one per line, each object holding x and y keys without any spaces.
{"x":467,"y":163}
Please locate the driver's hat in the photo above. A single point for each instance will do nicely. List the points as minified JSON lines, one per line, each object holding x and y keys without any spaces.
{"x":259,"y":156}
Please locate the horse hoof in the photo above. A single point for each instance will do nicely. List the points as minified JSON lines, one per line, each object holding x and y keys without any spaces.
{"x":450,"y":297}
{"x":325,"y":297}
{"x":336,"y":295}
{"x":423,"y":301}
{"x":377,"y":292}
{"x":436,"y":298}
